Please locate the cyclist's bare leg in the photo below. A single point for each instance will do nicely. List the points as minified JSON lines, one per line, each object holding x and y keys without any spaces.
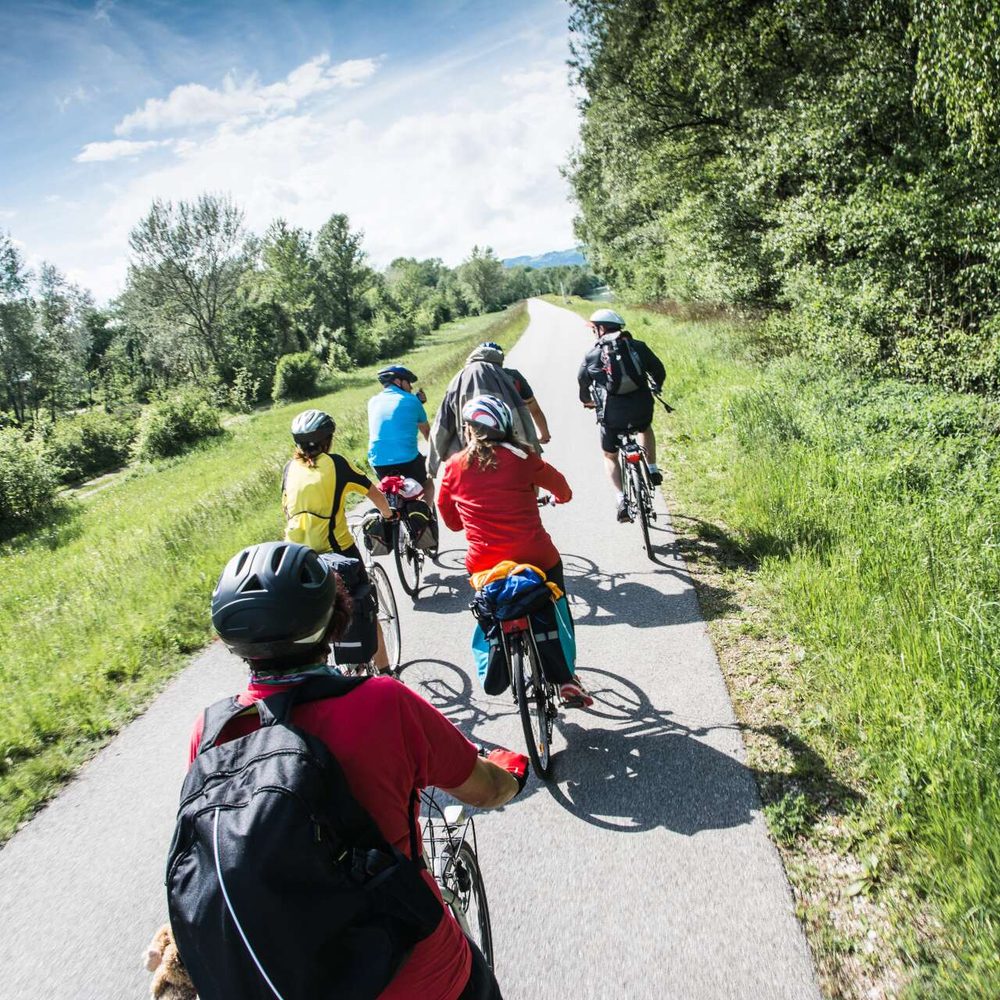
{"x":429,"y":492}
{"x":611,"y":467}
{"x":648,"y":441}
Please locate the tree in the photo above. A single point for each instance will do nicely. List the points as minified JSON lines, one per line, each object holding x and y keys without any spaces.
{"x":62,"y":341}
{"x":344,"y":276}
{"x":185,"y":269}
{"x":288,"y":277}
{"x":482,"y":276}
{"x":17,"y":314}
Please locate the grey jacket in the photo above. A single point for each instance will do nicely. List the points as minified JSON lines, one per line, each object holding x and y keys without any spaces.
{"x":482,"y":374}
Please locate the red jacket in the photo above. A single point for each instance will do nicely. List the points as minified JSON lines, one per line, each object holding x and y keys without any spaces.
{"x":497,"y":508}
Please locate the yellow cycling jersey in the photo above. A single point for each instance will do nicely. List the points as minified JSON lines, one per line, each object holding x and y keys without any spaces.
{"x":314,"y":498}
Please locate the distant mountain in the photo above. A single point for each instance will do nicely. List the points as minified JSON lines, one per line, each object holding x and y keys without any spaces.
{"x":554,"y":258}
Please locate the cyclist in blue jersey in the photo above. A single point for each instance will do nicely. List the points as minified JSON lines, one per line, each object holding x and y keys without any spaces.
{"x":395,"y":418}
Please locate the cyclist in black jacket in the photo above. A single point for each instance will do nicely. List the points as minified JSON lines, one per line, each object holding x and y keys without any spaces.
{"x":630,"y":408}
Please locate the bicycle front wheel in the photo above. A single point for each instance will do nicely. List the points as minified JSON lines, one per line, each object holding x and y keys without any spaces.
{"x":388,"y":614}
{"x":532,"y":704}
{"x":409,"y":559}
{"x":468,"y":900}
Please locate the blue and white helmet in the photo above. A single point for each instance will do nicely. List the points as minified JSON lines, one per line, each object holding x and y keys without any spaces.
{"x":489,"y":415}
{"x":493,"y":346}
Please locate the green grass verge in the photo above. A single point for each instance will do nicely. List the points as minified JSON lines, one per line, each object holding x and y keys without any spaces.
{"x":867,"y":516}
{"x":100,"y":607}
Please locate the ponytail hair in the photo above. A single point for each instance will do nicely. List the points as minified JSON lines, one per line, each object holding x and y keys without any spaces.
{"x":308,"y":454}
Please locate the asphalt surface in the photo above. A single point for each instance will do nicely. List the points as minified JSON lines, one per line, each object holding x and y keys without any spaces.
{"x":642,"y":870}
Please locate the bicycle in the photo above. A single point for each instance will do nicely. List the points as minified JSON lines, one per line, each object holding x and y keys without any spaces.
{"x":409,"y":556}
{"x":636,"y":485}
{"x":387,"y":611}
{"x":449,"y":839}
{"x":535,"y":696}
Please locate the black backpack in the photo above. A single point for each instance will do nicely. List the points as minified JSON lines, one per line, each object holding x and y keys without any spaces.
{"x":621,"y":364}
{"x":279,"y":883}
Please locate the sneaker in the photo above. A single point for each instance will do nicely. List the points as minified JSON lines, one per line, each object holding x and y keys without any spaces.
{"x":656,"y":478}
{"x":573,"y":695}
{"x":623,"y":512}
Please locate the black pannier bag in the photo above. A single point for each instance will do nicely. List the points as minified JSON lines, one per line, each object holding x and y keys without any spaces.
{"x":423,"y":527}
{"x":375,"y":532}
{"x":360,"y":639}
{"x":279,"y":883}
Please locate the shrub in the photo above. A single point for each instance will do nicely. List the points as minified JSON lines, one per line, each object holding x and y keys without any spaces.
{"x":28,"y":480}
{"x":91,"y":443}
{"x":295,"y":377}
{"x":245,"y":390}
{"x":175,"y":422}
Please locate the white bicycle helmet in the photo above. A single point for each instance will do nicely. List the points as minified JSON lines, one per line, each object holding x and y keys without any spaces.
{"x":607,"y":317}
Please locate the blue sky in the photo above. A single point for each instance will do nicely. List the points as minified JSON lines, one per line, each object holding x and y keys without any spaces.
{"x":433,"y":125}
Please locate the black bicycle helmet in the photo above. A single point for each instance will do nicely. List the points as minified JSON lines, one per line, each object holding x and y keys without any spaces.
{"x":389,"y":375}
{"x":312,"y":427}
{"x":274,"y":600}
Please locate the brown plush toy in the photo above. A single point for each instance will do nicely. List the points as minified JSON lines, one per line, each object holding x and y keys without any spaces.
{"x":170,"y":978}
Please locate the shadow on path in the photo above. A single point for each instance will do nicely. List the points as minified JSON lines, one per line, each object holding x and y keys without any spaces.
{"x":599,"y":598}
{"x":644,"y":769}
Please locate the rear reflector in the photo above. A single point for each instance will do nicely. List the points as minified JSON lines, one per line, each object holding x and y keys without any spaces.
{"x":515,"y":625}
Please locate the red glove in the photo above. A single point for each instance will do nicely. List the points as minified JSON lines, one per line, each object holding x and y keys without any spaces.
{"x":515,"y":764}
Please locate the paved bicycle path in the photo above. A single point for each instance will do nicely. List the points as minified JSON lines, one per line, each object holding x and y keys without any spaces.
{"x":643,"y":870}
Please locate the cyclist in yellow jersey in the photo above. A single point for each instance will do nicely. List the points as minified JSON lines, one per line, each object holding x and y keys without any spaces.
{"x":314,"y":490}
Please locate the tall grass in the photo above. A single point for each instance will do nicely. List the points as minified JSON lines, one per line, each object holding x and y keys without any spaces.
{"x":101,"y":606}
{"x":871,"y":512}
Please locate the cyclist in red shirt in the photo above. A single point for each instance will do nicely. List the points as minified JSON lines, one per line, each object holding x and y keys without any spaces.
{"x":386,"y":738}
{"x":490,"y":491}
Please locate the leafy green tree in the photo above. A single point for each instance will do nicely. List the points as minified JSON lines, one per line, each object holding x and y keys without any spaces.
{"x":185,"y":269}
{"x":482,"y":278}
{"x":288,"y":277}
{"x":831,"y":160}
{"x":62,"y":341}
{"x":343,"y":276}
{"x":17,"y":317}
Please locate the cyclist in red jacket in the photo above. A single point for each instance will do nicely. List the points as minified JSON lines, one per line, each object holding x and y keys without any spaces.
{"x":490,"y":491}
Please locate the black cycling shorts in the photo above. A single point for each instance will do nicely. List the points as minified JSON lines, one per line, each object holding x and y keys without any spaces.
{"x":609,"y":435}
{"x":416,"y":469}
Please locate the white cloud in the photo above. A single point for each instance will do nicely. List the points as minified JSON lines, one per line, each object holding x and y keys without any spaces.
{"x":101,"y":152}
{"x":102,"y":10}
{"x":425,"y":184}
{"x":194,"y":104}
{"x":78,"y":95}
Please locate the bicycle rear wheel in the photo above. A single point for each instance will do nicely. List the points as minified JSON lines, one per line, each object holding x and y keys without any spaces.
{"x":532,"y":703}
{"x":388,"y":614}
{"x":409,"y":559}
{"x":643,"y":501}
{"x":469,"y":903}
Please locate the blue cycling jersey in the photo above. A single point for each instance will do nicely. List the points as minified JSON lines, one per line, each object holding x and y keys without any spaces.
{"x":393,"y":416}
